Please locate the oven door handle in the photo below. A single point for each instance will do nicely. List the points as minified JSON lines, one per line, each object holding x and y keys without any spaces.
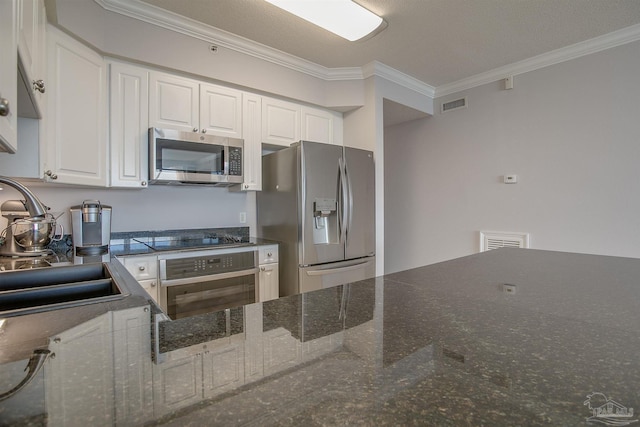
{"x":219,"y":276}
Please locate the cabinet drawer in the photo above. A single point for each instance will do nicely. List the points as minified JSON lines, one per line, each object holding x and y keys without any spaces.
{"x":268,"y":254}
{"x":142,"y":268}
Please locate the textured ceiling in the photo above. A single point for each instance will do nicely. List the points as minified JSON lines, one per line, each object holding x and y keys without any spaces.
{"x":435,"y":41}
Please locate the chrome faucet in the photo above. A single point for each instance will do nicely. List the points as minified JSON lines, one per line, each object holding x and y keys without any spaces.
{"x":34,"y":206}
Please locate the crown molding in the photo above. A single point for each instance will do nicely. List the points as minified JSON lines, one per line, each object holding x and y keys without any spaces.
{"x":146,"y":12}
{"x":379,"y":69}
{"x":168,"y":20}
{"x":587,"y":47}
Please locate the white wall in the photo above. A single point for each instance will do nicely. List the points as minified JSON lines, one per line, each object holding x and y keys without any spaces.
{"x":570,"y":131}
{"x":155,"y":208}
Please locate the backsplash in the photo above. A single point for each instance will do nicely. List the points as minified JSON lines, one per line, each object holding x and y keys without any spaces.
{"x":154,"y":208}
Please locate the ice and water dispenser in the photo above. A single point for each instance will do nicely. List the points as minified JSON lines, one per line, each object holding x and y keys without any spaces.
{"x":325,"y":224}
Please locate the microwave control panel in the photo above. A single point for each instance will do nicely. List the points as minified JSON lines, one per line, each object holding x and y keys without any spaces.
{"x":235,"y":161}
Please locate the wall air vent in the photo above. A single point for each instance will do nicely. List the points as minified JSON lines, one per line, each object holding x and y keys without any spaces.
{"x":497,"y":239}
{"x":454,"y":105}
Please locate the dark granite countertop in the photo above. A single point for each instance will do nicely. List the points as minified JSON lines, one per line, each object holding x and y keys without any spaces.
{"x":503,"y":338}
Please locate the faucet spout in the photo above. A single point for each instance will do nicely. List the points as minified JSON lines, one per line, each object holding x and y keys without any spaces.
{"x":33,"y":205}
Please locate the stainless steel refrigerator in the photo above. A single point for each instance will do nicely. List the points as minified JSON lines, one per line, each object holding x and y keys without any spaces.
{"x":318,"y":201}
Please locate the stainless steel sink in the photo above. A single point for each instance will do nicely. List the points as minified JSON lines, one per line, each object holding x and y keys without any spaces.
{"x":44,"y":289}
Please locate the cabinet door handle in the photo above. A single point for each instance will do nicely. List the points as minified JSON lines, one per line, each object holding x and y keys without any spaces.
{"x":4,"y":107}
{"x":195,"y":129}
{"x":204,"y":131}
{"x":262,"y":269}
{"x":153,"y":284}
{"x":50,"y":174}
{"x":269,"y":254}
{"x":141,"y":268}
{"x":38,"y":85}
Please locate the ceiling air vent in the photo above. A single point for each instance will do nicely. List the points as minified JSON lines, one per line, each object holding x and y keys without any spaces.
{"x":454,"y":105}
{"x":497,"y":239}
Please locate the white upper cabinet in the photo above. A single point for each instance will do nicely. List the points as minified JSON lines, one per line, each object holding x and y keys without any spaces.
{"x":252,"y":153}
{"x":8,"y":77}
{"x":220,"y":111}
{"x":31,"y":50}
{"x":280,"y":122}
{"x":76,"y":144}
{"x":187,"y":105}
{"x":128,"y":125}
{"x":321,"y":126}
{"x":284,"y":123}
{"x":173,"y":102}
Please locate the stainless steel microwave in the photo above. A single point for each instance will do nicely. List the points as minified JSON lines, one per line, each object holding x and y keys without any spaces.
{"x":177,"y":157}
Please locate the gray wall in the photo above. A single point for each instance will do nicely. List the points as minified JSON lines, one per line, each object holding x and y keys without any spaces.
{"x":570,"y":131}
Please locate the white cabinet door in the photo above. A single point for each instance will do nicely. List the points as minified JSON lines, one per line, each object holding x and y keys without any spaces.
{"x":268,"y":282}
{"x":280,"y":122}
{"x":132,"y":366}
{"x":76,"y":114}
{"x":145,"y":270}
{"x":79,"y":381}
{"x":220,"y":111}
{"x":321,"y":126}
{"x":268,"y":278}
{"x":251,"y":130}
{"x":151,"y":287}
{"x":8,"y":77}
{"x":31,"y":47}
{"x":128,"y":126}
{"x":173,"y":102}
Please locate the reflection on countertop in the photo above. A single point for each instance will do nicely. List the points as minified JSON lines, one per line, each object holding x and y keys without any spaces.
{"x":506,"y":337}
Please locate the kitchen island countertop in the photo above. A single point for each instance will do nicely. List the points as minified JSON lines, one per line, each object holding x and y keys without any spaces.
{"x":506,"y":337}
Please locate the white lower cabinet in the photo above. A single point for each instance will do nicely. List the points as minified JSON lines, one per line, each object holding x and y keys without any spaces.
{"x":132,"y":366}
{"x":144,"y":269}
{"x":268,"y":277}
{"x":268,"y":282}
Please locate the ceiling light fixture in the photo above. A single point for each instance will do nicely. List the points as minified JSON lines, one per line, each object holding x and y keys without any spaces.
{"x":342,"y":17}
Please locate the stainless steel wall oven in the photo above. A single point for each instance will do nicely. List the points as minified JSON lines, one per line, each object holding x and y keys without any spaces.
{"x":207,"y":281}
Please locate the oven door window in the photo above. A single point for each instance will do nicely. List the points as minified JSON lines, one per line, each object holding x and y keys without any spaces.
{"x":209,"y":296}
{"x":189,"y":157}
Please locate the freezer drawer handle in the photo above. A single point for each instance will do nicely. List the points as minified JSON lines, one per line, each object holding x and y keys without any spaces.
{"x":337,"y":270}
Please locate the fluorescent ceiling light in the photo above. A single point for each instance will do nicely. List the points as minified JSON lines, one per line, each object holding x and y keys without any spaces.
{"x":342,"y":17}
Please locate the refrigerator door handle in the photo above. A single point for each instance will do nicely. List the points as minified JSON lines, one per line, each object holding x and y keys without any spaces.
{"x":337,"y":270}
{"x":350,"y":199}
{"x":343,"y":201}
